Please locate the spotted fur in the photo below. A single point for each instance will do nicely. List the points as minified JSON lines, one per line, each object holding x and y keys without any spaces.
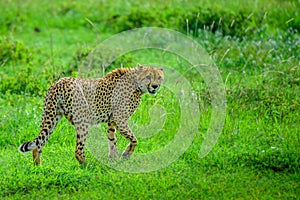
{"x":111,"y":99}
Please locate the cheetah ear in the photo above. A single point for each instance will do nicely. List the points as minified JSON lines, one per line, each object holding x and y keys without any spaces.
{"x":139,"y":66}
{"x":161,"y":69}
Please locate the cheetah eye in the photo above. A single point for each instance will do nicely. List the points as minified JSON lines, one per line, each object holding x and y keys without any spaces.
{"x":159,"y":78}
{"x":148,"y":77}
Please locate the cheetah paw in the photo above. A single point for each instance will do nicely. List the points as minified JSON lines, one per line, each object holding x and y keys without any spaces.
{"x":126,"y":154}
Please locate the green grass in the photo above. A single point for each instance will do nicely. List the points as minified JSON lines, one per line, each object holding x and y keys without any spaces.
{"x":256,"y":47}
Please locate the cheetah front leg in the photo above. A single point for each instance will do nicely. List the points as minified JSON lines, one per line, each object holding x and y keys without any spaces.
{"x":127,"y":133}
{"x":112,"y":140}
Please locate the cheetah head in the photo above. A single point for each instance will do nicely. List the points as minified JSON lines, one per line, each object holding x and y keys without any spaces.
{"x":149,"y":78}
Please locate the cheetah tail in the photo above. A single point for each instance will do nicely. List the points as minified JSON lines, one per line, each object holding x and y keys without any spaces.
{"x":27,"y":146}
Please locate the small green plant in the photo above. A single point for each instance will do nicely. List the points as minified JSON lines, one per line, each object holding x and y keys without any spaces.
{"x":14,"y":52}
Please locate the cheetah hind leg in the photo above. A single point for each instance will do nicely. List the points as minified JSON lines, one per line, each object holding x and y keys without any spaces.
{"x":36,"y":156}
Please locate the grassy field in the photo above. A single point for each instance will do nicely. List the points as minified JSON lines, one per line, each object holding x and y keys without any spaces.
{"x":256,"y":46}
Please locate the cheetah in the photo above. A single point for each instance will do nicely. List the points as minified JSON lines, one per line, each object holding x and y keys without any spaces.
{"x":111,"y":99}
